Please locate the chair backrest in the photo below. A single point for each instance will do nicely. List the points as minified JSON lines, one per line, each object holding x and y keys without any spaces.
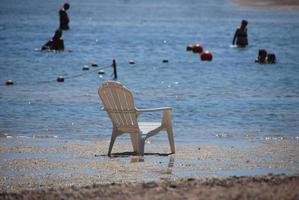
{"x":119,"y":104}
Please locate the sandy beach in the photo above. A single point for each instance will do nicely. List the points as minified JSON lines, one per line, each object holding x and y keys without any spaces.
{"x":266,"y":187}
{"x":34,"y":169}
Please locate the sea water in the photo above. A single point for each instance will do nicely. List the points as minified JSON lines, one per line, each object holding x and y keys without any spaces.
{"x":230,"y":99}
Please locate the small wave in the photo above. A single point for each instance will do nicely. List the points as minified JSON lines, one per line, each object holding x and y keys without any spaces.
{"x":274,"y":138}
{"x":223,"y":135}
{"x":280,"y":138}
{"x":44,"y":136}
{"x":5,"y":135}
{"x":22,"y":137}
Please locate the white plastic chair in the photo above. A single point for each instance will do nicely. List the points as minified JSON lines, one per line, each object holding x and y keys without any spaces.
{"x":119,"y":104}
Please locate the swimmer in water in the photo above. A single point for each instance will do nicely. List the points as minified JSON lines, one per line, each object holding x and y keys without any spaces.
{"x":261,"y":57}
{"x":271,"y":58}
{"x":56,"y":43}
{"x":240,"y":37}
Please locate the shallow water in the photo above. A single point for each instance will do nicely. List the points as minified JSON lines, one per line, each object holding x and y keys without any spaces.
{"x":229,"y":100}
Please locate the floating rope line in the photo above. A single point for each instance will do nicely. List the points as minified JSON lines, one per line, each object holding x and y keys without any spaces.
{"x":85,"y":69}
{"x":86,"y":72}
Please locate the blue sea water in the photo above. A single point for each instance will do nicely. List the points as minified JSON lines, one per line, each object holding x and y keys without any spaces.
{"x":231,"y":99}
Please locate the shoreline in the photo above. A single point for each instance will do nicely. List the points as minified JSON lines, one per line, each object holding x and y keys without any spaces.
{"x":277,"y":4}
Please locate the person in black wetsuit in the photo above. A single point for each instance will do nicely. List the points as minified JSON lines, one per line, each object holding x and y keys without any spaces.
{"x":56,"y":43}
{"x":240,"y":37}
{"x":271,"y":58}
{"x":262,"y":56}
{"x":63,"y":17}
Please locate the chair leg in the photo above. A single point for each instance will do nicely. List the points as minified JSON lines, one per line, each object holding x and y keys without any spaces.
{"x":170,"y":138}
{"x":134,"y":140}
{"x":168,"y":125}
{"x":141,"y":146}
{"x":139,"y":143}
{"x":113,"y":137}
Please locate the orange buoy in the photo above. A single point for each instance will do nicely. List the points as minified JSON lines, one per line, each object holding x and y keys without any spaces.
{"x":206,"y":56}
{"x":197,"y":48}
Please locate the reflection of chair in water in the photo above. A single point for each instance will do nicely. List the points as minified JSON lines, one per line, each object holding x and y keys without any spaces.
{"x":170,"y":165}
{"x":119,"y":104}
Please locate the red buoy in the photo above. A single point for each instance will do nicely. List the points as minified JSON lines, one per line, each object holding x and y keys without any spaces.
{"x":197,"y":48}
{"x":206,"y":56}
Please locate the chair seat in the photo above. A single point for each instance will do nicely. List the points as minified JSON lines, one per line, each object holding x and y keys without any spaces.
{"x":146,"y":127}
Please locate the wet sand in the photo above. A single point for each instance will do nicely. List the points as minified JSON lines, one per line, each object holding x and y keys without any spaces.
{"x":280,"y":4}
{"x":43,"y":168}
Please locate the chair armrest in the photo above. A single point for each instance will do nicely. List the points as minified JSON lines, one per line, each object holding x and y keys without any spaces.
{"x":166,"y":118}
{"x":153,"y":109}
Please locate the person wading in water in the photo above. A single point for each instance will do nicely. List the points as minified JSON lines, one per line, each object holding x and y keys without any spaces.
{"x":240,"y":37}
